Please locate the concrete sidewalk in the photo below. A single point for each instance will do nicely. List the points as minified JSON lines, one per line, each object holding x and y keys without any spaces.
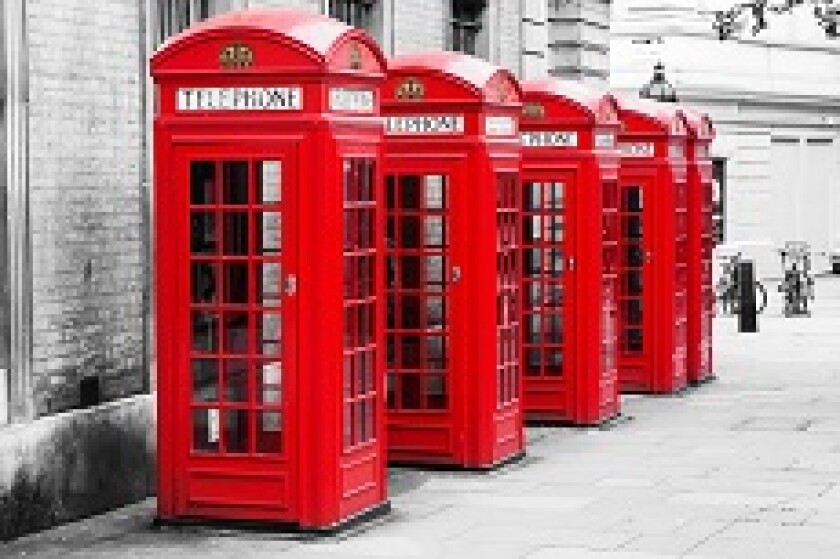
{"x":748,"y":466}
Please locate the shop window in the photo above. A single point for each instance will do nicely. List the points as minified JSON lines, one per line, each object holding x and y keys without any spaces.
{"x":466,"y":26}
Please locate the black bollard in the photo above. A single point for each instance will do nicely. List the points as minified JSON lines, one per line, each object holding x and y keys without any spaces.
{"x":747,"y":315}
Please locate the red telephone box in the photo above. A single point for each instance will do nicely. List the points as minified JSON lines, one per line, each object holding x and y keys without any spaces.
{"x":452,"y":159}
{"x":653,"y":272}
{"x":701,"y":296}
{"x":570,"y":234}
{"x":269,"y":293}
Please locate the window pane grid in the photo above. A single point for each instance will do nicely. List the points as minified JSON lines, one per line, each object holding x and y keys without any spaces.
{"x":235,"y":318}
{"x":507,"y":270}
{"x":632,"y":261}
{"x":417,"y":283}
{"x":545,"y":296}
{"x":360,"y":353}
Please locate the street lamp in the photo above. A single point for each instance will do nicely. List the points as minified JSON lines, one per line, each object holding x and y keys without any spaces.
{"x":659,"y":88}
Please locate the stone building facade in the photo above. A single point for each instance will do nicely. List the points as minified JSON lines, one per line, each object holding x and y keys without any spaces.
{"x":76,"y":359}
{"x":775,"y":100}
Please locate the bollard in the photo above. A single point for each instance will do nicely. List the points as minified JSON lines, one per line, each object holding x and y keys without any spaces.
{"x":747,"y":311}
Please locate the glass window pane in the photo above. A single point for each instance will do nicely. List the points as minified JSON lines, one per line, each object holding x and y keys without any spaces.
{"x":235,"y":233}
{"x":435,"y":233}
{"x":410,"y":352}
{"x":633,"y":282}
{"x":633,"y":311}
{"x":410,"y":231}
{"x":435,"y":353}
{"x":554,"y":329}
{"x":411,"y":397}
{"x":205,"y":380}
{"x":236,"y":332}
{"x":435,"y":312}
{"x":533,"y":357}
{"x":411,"y":307}
{"x":270,"y":390}
{"x":202,"y":182}
{"x":269,"y":288}
{"x":235,"y":182}
{"x":555,"y":194}
{"x":554,"y":362}
{"x":391,"y":390}
{"x":390,"y":192}
{"x":205,"y":332}
{"x":236,"y":431}
{"x":436,"y":392}
{"x":533,"y":329}
{"x":533,"y":262}
{"x":269,"y":432}
{"x":269,"y":177}
{"x":635,"y":256}
{"x":633,"y":199}
{"x":632,"y":227}
{"x":268,"y":232}
{"x":205,"y":423}
{"x":236,"y":380}
{"x":633,"y":340}
{"x":269,"y":333}
{"x":203,"y":282}
{"x":532,"y":229}
{"x":435,"y":192}
{"x":435,"y":269}
{"x":534,"y":294}
{"x":236,"y":283}
{"x":410,"y":276}
{"x":410,"y":192}
{"x":533,"y":196}
{"x":203,"y":237}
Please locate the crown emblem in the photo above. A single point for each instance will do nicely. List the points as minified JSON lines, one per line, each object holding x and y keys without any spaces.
{"x":354,"y":57}
{"x":236,"y":56}
{"x":410,"y":88}
{"x":533,"y":110}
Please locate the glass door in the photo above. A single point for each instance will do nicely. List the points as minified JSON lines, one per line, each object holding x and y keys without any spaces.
{"x":418,"y":286}
{"x":546,"y":289}
{"x":634,"y":258}
{"x":240,"y":325}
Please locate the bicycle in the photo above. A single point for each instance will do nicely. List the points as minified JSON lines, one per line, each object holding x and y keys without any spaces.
{"x":728,"y":288}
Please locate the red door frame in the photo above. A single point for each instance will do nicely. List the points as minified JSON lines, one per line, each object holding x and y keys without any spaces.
{"x":251,"y":84}
{"x":448,"y":112}
{"x":574,"y":130}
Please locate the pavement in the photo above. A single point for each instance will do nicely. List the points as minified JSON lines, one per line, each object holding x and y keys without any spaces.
{"x":746,"y":466}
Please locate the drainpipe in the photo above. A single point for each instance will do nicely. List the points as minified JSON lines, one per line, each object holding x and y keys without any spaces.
{"x":21,"y":405}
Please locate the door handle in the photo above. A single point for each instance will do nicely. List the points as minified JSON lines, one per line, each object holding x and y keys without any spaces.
{"x":456,"y":274}
{"x":290,"y":285}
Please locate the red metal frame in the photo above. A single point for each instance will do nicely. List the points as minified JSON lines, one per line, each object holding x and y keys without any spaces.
{"x":452,"y":162}
{"x":701,"y":297}
{"x":653,"y":275}
{"x":570,"y":253}
{"x":269,"y":303}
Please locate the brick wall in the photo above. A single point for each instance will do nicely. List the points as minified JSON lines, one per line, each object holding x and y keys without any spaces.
{"x":510,"y":36}
{"x":86,"y":202}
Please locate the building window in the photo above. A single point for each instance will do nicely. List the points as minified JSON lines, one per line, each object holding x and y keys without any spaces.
{"x":173,"y":16}
{"x":356,"y":13}
{"x":466,"y":24}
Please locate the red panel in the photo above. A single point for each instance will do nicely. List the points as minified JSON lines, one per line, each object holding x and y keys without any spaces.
{"x":569,"y":209}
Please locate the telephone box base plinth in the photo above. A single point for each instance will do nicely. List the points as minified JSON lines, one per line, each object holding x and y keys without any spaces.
{"x":452,"y":467}
{"x":293,"y":530}
{"x":695,"y":383}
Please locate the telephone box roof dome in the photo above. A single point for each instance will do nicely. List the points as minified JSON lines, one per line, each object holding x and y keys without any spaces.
{"x":651,"y":115}
{"x":700,"y":124}
{"x":476,"y":74}
{"x":591,"y":101}
{"x":317,"y":35}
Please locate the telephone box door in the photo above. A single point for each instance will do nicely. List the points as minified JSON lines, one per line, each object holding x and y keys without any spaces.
{"x":423,"y":270}
{"x":237,"y":373}
{"x":549,"y":284}
{"x":635,"y":280}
